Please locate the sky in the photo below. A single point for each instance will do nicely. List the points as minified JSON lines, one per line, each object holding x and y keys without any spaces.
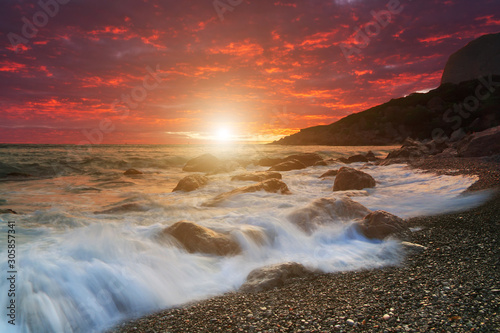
{"x":178,"y":72}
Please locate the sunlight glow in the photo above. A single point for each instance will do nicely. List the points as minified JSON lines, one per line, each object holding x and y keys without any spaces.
{"x":223,"y":134}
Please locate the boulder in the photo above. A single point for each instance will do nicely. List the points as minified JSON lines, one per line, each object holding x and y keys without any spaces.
{"x":191,"y":183}
{"x":203,"y":163}
{"x":321,"y":163}
{"x":225,"y":167}
{"x":125,"y":208}
{"x":288,"y":165}
{"x":355,"y":159}
{"x":308,"y":159}
{"x":352,"y":179}
{"x":257,"y":176}
{"x":131,"y":172}
{"x":195,"y":238}
{"x":380,"y":224}
{"x":271,"y":185}
{"x":329,"y":173}
{"x":479,"y":144}
{"x":458,"y":135}
{"x":370,"y":156}
{"x":273,"y":276}
{"x":268,"y":162}
{"x":327,"y":211}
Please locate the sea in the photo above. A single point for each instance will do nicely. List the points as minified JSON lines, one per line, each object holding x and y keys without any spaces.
{"x":86,"y":251}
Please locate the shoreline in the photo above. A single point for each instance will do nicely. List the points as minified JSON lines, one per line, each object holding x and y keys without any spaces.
{"x":451,"y":286}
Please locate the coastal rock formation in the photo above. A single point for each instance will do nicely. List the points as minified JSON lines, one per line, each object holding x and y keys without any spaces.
{"x":353,"y":159}
{"x":327,"y":211}
{"x":270,"y":277}
{"x":191,"y":183}
{"x":380,"y":224}
{"x":257,"y":176}
{"x":132,"y":172}
{"x":352,"y":179}
{"x":329,"y":173}
{"x":476,"y":59}
{"x":370,"y":156}
{"x":203,"y":163}
{"x":308,"y":159}
{"x":483,"y":143}
{"x":271,"y":185}
{"x":288,"y":165}
{"x":195,"y":238}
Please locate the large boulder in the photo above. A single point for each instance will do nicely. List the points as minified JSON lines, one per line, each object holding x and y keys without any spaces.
{"x":196,"y":238}
{"x":380,"y":224}
{"x":271,"y":185}
{"x":273,"y":276}
{"x":476,"y":59}
{"x":203,"y":163}
{"x":191,"y":183}
{"x":288,"y":165}
{"x":483,"y":143}
{"x":353,"y":159}
{"x":257,"y":176}
{"x":352,"y":179}
{"x":268,"y":162}
{"x":327,"y":211}
{"x":329,"y":173}
{"x":308,"y":159}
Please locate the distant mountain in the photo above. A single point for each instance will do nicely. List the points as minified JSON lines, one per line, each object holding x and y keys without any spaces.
{"x":469,"y":106}
{"x":478,"y":58}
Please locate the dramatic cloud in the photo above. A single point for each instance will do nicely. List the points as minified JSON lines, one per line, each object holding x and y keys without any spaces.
{"x":161,"y":71}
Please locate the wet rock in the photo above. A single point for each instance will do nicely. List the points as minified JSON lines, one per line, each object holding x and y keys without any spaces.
{"x":356,"y":158}
{"x":329,"y":173}
{"x":257,"y":176}
{"x":131,"y":172}
{"x":321,"y":163}
{"x":126,"y":208}
{"x":196,"y":238}
{"x":270,"y":277}
{"x":479,"y":144}
{"x":380,"y":224}
{"x":288,"y":165}
{"x":203,"y":163}
{"x":327,"y":211}
{"x":270,"y":185}
{"x":308,"y":159}
{"x":269,"y":161}
{"x":370,"y":156}
{"x":191,"y":183}
{"x":352,"y":179}
{"x":7,"y":211}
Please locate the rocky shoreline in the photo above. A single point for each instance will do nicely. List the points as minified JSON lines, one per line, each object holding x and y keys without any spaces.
{"x":452,"y":286}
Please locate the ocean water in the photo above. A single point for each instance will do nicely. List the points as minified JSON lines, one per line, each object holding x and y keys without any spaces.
{"x":82,"y":269}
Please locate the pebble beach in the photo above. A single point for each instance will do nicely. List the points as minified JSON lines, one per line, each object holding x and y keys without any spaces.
{"x":451,"y":286}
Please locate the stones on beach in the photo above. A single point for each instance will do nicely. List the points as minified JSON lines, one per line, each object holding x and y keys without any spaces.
{"x":288,"y":165}
{"x":352,"y":179}
{"x":257,"y":176}
{"x":132,"y":172}
{"x":191,"y":183}
{"x":380,"y":224}
{"x":413,"y":248}
{"x":329,"y":173}
{"x":196,"y":238}
{"x":269,"y":277}
{"x":271,"y":185}
{"x":327,"y":211}
{"x":203,"y":163}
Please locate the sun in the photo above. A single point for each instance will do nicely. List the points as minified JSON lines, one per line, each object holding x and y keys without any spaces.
{"x":223,"y":134}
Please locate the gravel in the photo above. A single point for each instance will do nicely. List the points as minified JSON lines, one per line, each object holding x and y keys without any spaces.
{"x":452,"y":286}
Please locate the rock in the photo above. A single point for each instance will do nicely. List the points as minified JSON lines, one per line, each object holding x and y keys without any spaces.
{"x":386,"y":317}
{"x":485,"y":143}
{"x":447,"y":153}
{"x":350,"y":322}
{"x":126,"y":208}
{"x":352,"y":179}
{"x":457,"y":135}
{"x":271,"y":185}
{"x":370,"y":156}
{"x":288,"y":165}
{"x":327,"y":211}
{"x":269,"y":161}
{"x":131,"y":172}
{"x":478,"y":58}
{"x":308,"y":159}
{"x":224,"y":167}
{"x":191,"y":183}
{"x":7,"y":211}
{"x":413,"y":248}
{"x":195,"y":238}
{"x":321,"y":163}
{"x":329,"y":173}
{"x":270,"y":277}
{"x":356,"y":158}
{"x":203,"y":163}
{"x":257,"y":176}
{"x":255,"y":234}
{"x":19,"y":174}
{"x":380,"y":224}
